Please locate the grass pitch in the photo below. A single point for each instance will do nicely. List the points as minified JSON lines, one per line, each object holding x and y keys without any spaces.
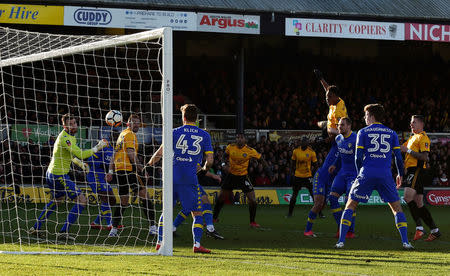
{"x":278,"y":248}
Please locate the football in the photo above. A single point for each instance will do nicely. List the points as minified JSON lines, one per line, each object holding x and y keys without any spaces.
{"x":113,"y":118}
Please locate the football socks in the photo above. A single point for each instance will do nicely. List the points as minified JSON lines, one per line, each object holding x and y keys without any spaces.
{"x":402,"y":226}
{"x":346,"y":221}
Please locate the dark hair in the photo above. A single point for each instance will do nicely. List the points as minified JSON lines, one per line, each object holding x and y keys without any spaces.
{"x":133,"y":116}
{"x":334,"y":90}
{"x":347,"y":120}
{"x":67,"y":117}
{"x":421,"y":118}
{"x":190,"y":112}
{"x":376,"y":110}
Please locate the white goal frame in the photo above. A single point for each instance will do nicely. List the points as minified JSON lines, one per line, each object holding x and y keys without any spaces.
{"x":167,"y":115}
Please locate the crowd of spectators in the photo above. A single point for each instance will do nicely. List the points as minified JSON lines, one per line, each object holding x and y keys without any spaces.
{"x":288,"y":96}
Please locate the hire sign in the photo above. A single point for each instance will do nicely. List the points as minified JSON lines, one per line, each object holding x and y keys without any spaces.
{"x":31,"y":14}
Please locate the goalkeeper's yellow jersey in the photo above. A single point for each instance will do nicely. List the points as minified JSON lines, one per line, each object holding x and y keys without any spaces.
{"x":63,"y":151}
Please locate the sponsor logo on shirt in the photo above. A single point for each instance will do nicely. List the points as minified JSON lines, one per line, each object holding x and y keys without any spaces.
{"x":182,"y":159}
{"x":373,"y":155}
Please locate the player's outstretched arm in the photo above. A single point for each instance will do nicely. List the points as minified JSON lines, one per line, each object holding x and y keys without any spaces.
{"x":83,"y":154}
{"x":319,"y":76}
{"x":156,"y":156}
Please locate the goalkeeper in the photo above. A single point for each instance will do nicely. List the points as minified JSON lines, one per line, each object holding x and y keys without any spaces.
{"x":64,"y":152}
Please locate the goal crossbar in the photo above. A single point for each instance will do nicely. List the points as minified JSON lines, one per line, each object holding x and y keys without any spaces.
{"x":116,"y":41}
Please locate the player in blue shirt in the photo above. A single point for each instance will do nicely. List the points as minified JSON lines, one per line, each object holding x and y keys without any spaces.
{"x":190,"y":143}
{"x":322,"y":181}
{"x":98,"y":164}
{"x":346,"y":144}
{"x":374,"y":146}
{"x":206,"y":207}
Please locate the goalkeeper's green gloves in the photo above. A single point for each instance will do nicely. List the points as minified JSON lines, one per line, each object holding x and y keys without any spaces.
{"x":100,"y":145}
{"x":84,"y":166}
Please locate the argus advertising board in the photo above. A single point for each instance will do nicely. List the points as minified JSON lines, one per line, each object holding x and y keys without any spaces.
{"x":228,"y":23}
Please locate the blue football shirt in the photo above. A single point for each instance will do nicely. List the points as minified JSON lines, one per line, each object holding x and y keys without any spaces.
{"x":377,"y":143}
{"x":100,"y":160}
{"x":190,"y":143}
{"x":346,"y":148}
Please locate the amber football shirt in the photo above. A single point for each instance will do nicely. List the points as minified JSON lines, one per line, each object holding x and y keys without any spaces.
{"x":127,"y":139}
{"x":303,"y":160}
{"x":419,"y":143}
{"x":336,"y":111}
{"x":240,"y":157}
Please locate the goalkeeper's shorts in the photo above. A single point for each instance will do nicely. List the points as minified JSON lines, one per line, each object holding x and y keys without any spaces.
{"x":62,"y":185}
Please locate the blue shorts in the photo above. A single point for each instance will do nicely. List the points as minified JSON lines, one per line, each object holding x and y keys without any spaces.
{"x":322,"y":182}
{"x":342,"y":183}
{"x":369,"y":180}
{"x":97,"y":182}
{"x":187,"y":190}
{"x":62,"y":185}
{"x":202,"y":191}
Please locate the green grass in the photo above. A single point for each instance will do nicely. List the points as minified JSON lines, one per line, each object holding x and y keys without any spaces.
{"x":279,"y":248}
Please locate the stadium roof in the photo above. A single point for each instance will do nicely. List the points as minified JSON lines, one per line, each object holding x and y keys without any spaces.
{"x":436,"y":10}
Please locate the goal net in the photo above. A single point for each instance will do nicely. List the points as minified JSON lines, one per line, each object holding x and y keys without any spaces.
{"x":44,"y":76}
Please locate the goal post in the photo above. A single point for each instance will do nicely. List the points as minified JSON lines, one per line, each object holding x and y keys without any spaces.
{"x":46,"y":75}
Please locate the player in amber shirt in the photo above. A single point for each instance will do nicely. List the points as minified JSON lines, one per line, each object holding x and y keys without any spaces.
{"x":337,"y":109}
{"x":303,"y":162}
{"x":239,"y":155}
{"x":417,"y":149}
{"x":126,"y":165}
